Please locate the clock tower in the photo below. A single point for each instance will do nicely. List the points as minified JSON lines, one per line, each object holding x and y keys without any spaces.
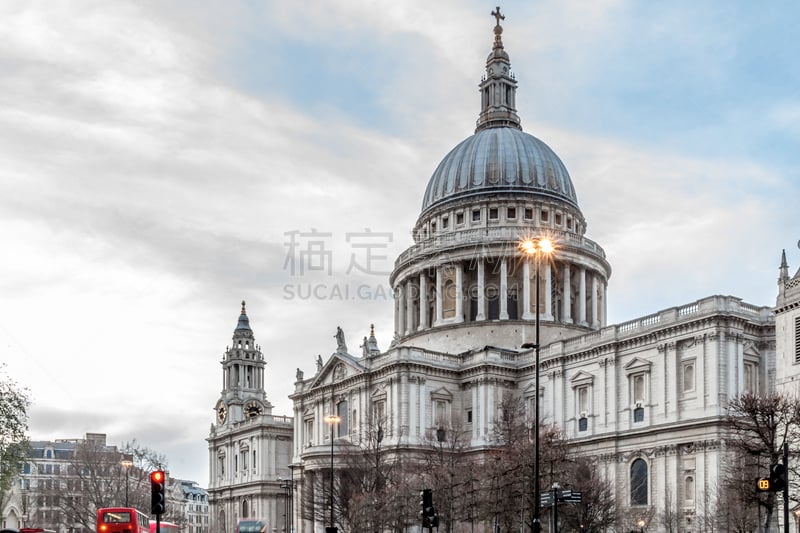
{"x":243,"y":365}
{"x":249,"y":448}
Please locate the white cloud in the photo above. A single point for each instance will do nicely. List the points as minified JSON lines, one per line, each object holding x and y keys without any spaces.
{"x":143,"y":193}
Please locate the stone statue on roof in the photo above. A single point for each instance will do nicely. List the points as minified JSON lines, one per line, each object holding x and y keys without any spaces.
{"x":341,"y":345}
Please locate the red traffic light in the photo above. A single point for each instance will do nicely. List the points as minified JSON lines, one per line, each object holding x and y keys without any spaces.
{"x":157,"y":476}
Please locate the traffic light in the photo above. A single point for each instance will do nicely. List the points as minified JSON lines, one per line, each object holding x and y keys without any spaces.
{"x":427,"y":512}
{"x":158,"y":495}
{"x":777,"y":477}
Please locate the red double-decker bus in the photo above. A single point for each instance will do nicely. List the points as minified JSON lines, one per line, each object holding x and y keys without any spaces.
{"x":122,"y":520}
{"x":166,"y":527}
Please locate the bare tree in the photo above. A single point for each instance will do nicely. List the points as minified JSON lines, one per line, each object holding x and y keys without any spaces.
{"x":669,"y":519}
{"x":760,"y":425}
{"x":366,"y":493}
{"x":598,"y":509}
{"x":510,"y":464}
{"x":95,"y":478}
{"x":14,"y":404}
{"x":449,"y":474}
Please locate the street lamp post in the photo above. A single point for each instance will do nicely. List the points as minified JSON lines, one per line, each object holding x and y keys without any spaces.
{"x":291,"y":497}
{"x":332,"y":420}
{"x":535,"y":248}
{"x":127,"y":462}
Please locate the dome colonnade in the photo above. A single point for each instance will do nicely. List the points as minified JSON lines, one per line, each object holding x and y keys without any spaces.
{"x":495,"y":188}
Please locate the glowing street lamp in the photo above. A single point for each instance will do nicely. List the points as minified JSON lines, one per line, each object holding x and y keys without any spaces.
{"x":126,"y":463}
{"x":332,"y":420}
{"x":536,"y":248}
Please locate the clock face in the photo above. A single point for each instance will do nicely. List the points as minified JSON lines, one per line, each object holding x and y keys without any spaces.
{"x":253,"y":408}
{"x":222,"y":412}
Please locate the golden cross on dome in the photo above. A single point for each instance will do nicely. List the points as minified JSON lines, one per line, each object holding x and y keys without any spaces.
{"x":496,"y":14}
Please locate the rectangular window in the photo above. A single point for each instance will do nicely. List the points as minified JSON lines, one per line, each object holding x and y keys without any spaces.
{"x":528,"y":213}
{"x":341,"y":411}
{"x":379,"y":413}
{"x":469,"y":416}
{"x":494,"y":214}
{"x":638,"y":388}
{"x":440,"y":416}
{"x":558,"y":219}
{"x":750,"y":376}
{"x":569,"y":223}
{"x":545,"y":216}
{"x":445,"y":222}
{"x":511,"y":212}
{"x":583,"y":400}
{"x":309,"y":431}
{"x":459,"y":218}
{"x":476,"y":215}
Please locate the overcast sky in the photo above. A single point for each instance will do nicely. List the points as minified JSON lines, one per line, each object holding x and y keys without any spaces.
{"x":161,"y":161}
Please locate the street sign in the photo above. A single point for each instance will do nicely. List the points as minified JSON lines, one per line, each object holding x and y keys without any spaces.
{"x":574,"y":497}
{"x":546,"y":499}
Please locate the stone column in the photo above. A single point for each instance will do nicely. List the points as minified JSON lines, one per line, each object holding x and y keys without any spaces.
{"x":566,"y":306}
{"x":401,"y":315}
{"x":413,"y":410}
{"x":548,"y":292}
{"x":423,"y":422}
{"x":481,"y":291}
{"x":603,"y":303}
{"x":582,"y":296}
{"x":489,"y":388}
{"x":595,"y":317}
{"x":438,"y":296}
{"x":503,"y":290}
{"x":459,"y":293}
{"x":526,"y":291}
{"x":423,"y":301}
{"x":409,"y":307}
{"x":476,"y":413}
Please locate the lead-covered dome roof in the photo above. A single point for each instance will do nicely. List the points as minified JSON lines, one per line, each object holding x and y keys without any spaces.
{"x":499,"y":159}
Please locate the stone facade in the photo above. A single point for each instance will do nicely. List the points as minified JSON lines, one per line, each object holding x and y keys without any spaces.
{"x":646,"y":397}
{"x":249,"y":447}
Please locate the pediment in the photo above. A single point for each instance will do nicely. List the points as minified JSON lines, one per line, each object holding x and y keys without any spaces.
{"x":751,"y":353}
{"x":379,"y":392}
{"x":581,"y":379}
{"x":339,"y":367}
{"x":637,"y":364}
{"x":442,"y":394}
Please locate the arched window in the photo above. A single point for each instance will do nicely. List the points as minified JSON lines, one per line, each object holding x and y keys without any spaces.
{"x":689,"y":489}
{"x":639,"y":482}
{"x":245,"y":509}
{"x":450,"y":293}
{"x":688,"y":377}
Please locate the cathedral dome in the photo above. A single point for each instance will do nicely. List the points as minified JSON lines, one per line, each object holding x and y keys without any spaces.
{"x":499,"y":159}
